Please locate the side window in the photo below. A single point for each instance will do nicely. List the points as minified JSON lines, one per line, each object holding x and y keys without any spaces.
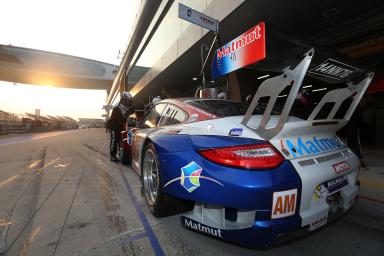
{"x":173,"y":115}
{"x":151,"y":119}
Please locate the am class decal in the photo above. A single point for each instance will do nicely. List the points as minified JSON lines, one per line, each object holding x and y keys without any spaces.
{"x":284,"y":203}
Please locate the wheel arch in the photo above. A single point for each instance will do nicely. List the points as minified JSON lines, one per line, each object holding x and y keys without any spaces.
{"x":146,"y":142}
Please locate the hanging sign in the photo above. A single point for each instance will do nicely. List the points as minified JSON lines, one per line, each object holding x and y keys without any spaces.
{"x":198,"y":18}
{"x":245,"y":49}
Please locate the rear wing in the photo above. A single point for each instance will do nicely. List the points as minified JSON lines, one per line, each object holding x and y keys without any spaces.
{"x":293,"y":60}
{"x":293,"y":78}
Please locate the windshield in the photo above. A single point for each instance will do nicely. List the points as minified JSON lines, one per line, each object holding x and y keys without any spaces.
{"x":223,"y":108}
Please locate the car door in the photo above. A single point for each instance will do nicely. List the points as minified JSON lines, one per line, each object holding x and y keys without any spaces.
{"x":147,"y":125}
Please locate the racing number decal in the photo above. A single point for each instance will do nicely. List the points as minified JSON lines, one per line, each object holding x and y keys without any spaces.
{"x":284,"y":203}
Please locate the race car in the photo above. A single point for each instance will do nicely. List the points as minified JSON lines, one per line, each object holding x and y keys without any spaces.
{"x":246,"y":189}
{"x":255,"y":176}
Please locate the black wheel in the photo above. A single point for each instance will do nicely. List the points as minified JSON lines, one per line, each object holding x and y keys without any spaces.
{"x":124,"y":157}
{"x":150,"y":178}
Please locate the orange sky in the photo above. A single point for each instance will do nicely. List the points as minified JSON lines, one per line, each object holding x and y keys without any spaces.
{"x":75,"y":103}
{"x":94,"y":29}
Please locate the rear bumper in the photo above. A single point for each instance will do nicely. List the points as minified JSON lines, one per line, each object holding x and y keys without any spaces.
{"x":260,"y":198}
{"x":260,"y":234}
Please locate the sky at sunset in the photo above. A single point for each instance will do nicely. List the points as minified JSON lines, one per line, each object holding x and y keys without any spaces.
{"x":94,"y":29}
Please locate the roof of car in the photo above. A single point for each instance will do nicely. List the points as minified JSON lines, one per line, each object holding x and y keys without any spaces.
{"x":191,"y":99}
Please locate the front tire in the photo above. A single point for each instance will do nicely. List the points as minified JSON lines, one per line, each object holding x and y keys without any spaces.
{"x":150,"y":178}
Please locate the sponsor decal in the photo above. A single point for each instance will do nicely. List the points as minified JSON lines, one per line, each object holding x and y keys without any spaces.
{"x":318,"y":223}
{"x":129,"y":137}
{"x":284,"y":203}
{"x":236,"y":132}
{"x":190,"y":177}
{"x":283,"y":149}
{"x":328,"y":187}
{"x":320,"y":192}
{"x":209,"y":128}
{"x":245,"y":49}
{"x":193,"y":117}
{"x":341,"y":167}
{"x":300,"y":147}
{"x":204,"y":114}
{"x":333,"y":69}
{"x":190,"y":223}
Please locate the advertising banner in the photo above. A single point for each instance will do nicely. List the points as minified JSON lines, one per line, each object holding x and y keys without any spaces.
{"x":245,"y":49}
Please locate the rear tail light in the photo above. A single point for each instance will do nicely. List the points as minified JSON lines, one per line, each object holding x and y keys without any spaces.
{"x":260,"y":156}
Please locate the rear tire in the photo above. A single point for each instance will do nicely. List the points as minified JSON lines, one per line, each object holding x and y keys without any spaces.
{"x":150,"y":179}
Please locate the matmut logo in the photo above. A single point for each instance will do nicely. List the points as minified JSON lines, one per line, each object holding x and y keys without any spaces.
{"x":244,"y":40}
{"x":341,"y":167}
{"x":300,"y":147}
{"x":284,"y":203}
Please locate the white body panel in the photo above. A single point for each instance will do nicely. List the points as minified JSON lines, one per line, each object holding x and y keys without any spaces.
{"x":312,"y":208}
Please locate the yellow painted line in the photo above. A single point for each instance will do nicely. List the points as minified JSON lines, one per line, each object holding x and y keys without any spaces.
{"x":372,"y":184}
{"x":48,"y":164}
{"x":9,"y":180}
{"x":32,"y":237}
{"x":4,"y":223}
{"x":34,"y":163}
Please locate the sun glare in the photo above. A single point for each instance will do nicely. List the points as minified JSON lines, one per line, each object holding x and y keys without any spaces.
{"x":19,"y":99}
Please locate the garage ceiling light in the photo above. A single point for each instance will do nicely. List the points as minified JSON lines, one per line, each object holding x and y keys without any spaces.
{"x":261,"y":77}
{"x":317,"y":90}
{"x":331,"y":12}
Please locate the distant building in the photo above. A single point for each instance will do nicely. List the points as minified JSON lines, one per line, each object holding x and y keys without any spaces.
{"x":91,"y":123}
{"x":9,"y":120}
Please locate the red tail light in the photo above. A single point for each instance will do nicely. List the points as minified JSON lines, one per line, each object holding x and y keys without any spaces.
{"x":261,"y":156}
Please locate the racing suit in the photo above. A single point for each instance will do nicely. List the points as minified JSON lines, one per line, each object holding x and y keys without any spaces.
{"x":117,"y":124}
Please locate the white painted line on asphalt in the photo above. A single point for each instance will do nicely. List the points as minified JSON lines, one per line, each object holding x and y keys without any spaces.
{"x":61,"y":165}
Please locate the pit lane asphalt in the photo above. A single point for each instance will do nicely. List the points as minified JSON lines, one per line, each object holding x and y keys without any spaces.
{"x":60,"y":195}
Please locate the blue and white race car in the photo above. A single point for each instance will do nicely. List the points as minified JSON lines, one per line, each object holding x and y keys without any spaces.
{"x":253,"y":176}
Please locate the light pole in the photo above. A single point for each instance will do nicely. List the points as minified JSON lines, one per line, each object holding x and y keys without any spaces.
{"x":5,"y":120}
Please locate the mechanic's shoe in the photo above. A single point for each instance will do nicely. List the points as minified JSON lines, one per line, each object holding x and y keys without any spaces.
{"x":114,"y":159}
{"x":363,"y":167}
